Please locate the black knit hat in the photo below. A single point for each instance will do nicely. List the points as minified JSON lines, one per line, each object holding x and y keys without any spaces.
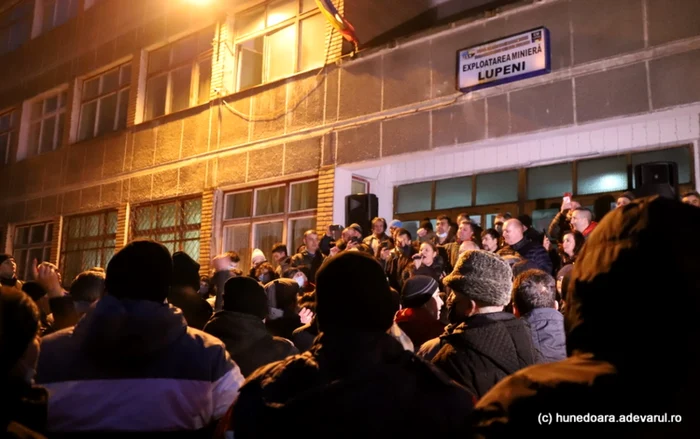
{"x":5,"y":256}
{"x":19,"y":323}
{"x":142,"y":270}
{"x":417,"y":291}
{"x":245,"y":295}
{"x":185,"y":271}
{"x":34,"y":290}
{"x":352,"y":294}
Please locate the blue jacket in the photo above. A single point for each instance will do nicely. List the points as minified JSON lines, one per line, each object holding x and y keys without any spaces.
{"x":548,"y":336}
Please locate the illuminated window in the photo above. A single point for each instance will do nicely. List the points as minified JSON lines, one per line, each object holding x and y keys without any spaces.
{"x":607,"y":174}
{"x":16,"y":26}
{"x":179,"y":75}
{"x":88,"y":241}
{"x":31,"y":242}
{"x":277,"y":39}
{"x":175,"y":224}
{"x":262,"y":217}
{"x":8,"y":134}
{"x":105,"y":101}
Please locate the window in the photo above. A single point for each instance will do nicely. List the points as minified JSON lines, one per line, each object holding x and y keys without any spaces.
{"x":88,"y":241}
{"x":359,"y":186}
{"x":31,"y":242}
{"x":175,"y":224}
{"x":549,"y":181}
{"x":56,"y":12}
{"x":262,"y":217}
{"x":455,"y":192}
{"x":414,"y":197}
{"x":681,"y":156}
{"x":8,"y":134}
{"x":16,"y":26}
{"x":105,"y":100}
{"x":500,"y":187}
{"x":179,"y":75}
{"x":277,"y":39}
{"x":46,"y":123}
{"x":608,"y":174}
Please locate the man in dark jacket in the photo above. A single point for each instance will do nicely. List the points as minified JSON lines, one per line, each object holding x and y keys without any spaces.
{"x":534,"y":300}
{"x":240,"y":326}
{"x":561,"y":224}
{"x":513,"y":235}
{"x":310,"y":258}
{"x":8,"y":272}
{"x":183,"y":293}
{"x":357,"y":380}
{"x":132,"y":364}
{"x":399,"y":259}
{"x":487,"y":344}
{"x":624,"y":359}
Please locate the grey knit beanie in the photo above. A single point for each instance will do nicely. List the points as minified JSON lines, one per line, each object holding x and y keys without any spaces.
{"x":483,"y":277}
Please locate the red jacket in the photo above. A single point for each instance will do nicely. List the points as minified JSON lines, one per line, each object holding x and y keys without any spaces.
{"x":589,"y":229}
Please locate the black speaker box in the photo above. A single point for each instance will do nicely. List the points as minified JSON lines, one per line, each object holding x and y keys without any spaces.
{"x":656,"y":178}
{"x":360,"y":209}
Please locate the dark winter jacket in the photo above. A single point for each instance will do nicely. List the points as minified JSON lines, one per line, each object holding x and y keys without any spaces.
{"x":395,"y":266}
{"x":419,"y":325}
{"x":359,"y":385}
{"x":485,"y":349}
{"x":135,"y":365}
{"x":311,"y":263}
{"x":23,"y":410}
{"x":304,"y":336}
{"x":283,"y":266}
{"x":196,"y":310}
{"x":548,"y":337}
{"x":559,"y":226}
{"x":534,"y":252}
{"x":247,"y":340}
{"x":623,"y":360}
{"x":12,"y":282}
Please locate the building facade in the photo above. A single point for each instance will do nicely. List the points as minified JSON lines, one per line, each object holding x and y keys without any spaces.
{"x":233,"y":125}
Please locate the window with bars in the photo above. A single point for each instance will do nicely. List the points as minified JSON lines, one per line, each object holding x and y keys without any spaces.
{"x":56,"y":12}
{"x":32,"y":241}
{"x":105,"y":101}
{"x":179,"y":75}
{"x":16,"y":26}
{"x":262,"y":217}
{"x":47,"y":119}
{"x":277,"y":39}
{"x":8,"y":134}
{"x":176,"y":224}
{"x":88,"y":241}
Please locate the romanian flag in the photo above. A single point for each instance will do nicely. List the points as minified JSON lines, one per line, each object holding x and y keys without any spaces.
{"x":339,"y":23}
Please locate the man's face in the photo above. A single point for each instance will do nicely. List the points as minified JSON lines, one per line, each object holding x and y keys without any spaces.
{"x":278,"y":256}
{"x":378,"y":228}
{"x":8,"y":269}
{"x":512,"y":232}
{"x":623,"y":201}
{"x":692,"y":200}
{"x":311,"y":242}
{"x":403,"y":241}
{"x":465,"y":232}
{"x":578,"y":221}
{"x":489,"y":243}
{"x":443,"y":226}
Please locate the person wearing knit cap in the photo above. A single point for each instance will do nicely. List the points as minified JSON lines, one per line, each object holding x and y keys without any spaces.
{"x":625,"y":199}
{"x":357,"y":380}
{"x":184,"y":292}
{"x":23,"y":405}
{"x":256,"y":259}
{"x":240,"y":325}
{"x":8,"y":272}
{"x":420,"y":310}
{"x":394,"y":225}
{"x":133,"y":359}
{"x":483,"y":344}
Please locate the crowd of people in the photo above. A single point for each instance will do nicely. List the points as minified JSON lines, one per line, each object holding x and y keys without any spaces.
{"x":457,"y":330}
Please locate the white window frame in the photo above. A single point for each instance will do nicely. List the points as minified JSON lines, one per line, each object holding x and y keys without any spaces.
{"x":27,"y":119}
{"x":195,"y":72}
{"x":16,"y":248}
{"x":40,"y":5}
{"x":12,"y":132}
{"x":78,"y":113}
{"x":265,"y":33}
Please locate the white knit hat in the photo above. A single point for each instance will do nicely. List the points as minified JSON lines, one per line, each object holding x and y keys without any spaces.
{"x":258,"y":257}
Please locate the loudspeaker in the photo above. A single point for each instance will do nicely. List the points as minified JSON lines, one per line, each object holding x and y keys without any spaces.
{"x":360,"y":209}
{"x":656,"y":178}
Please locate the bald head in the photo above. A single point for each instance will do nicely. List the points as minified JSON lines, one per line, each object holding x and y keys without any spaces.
{"x":581,"y":219}
{"x":513,"y":231}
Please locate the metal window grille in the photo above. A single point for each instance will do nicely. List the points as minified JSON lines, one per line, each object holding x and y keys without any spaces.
{"x":88,"y":241}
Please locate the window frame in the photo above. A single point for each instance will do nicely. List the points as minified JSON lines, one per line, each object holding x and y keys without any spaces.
{"x":101,"y":96}
{"x":12,"y":132}
{"x":46,"y":244}
{"x":28,"y":120}
{"x":40,"y":14}
{"x":265,"y":33}
{"x":168,"y":71}
{"x":102,"y":236}
{"x":285,"y":217}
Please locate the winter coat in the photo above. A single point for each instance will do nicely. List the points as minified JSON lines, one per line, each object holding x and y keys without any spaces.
{"x":304,"y":336}
{"x":135,"y":365}
{"x":373,"y":242}
{"x":395,"y":266}
{"x":559,"y":226}
{"x":534,"y":252}
{"x":485,"y":349}
{"x":419,"y":325}
{"x":308,"y":261}
{"x":247,"y":340}
{"x":196,"y":310}
{"x":355,"y":385}
{"x":591,"y":227}
{"x":23,"y":409}
{"x":283,"y":266}
{"x":547,"y":329}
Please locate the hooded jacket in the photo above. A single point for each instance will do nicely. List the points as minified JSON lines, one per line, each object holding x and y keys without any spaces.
{"x":485,"y":349}
{"x":534,"y":252}
{"x":626,"y":359}
{"x":354,"y":385}
{"x":135,"y":365}
{"x":547,"y":329}
{"x":247,"y":340}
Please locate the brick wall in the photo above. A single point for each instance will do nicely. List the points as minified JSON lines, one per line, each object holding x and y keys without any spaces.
{"x":205,"y":233}
{"x":324,"y":214}
{"x":56,"y":241}
{"x":123,"y":223}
